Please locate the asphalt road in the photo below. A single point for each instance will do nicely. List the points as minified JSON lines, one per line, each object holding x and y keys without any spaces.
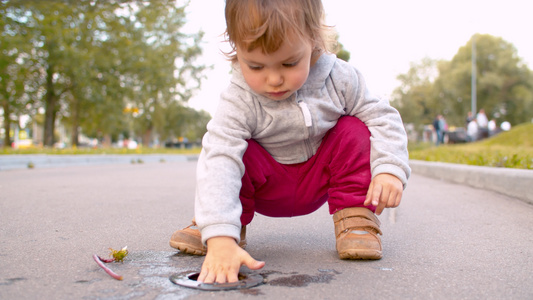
{"x":445,"y":241}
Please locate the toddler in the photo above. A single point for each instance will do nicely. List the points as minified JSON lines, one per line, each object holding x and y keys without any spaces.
{"x":296,"y":128}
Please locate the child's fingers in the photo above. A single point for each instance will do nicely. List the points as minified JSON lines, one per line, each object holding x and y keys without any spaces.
{"x":218,"y":276}
{"x":394,"y":195}
{"x":368,"y":199}
{"x":387,"y":198}
{"x":397,"y":198}
{"x":206,"y":276}
{"x":227,"y":269}
{"x":390,"y":197}
{"x":379,"y":208}
{"x":374,"y":194}
{"x":229,"y":277}
{"x":253,"y":264}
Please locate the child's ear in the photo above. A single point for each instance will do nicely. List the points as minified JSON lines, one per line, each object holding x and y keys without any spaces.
{"x":315,"y":55}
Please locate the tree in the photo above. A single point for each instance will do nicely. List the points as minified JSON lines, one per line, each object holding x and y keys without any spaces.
{"x":162,"y":67}
{"x":46,"y":27}
{"x":504,"y":85}
{"x":16,"y":66}
{"x":97,"y":57}
{"x":415,"y":96}
{"x":176,"y":121}
{"x":339,"y":50}
{"x":342,"y":53}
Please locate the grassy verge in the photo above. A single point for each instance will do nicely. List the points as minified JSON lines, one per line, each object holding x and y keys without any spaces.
{"x":80,"y":151}
{"x":512,"y":149}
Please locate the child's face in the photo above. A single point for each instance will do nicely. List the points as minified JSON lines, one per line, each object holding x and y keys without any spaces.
{"x":276,"y":75}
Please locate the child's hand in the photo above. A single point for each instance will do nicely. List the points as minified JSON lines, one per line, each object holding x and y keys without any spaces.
{"x":223,"y":260}
{"x":385,"y":191}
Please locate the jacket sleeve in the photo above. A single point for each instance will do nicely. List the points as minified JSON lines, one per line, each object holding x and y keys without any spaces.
{"x":388,"y":138}
{"x":220,"y":168}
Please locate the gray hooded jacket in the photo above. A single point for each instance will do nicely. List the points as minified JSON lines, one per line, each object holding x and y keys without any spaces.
{"x":291,"y":131}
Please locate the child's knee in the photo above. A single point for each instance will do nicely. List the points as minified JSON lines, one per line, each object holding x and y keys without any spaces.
{"x":352,"y":125}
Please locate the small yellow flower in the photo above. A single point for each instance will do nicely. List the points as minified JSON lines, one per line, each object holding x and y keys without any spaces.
{"x":119,"y":255}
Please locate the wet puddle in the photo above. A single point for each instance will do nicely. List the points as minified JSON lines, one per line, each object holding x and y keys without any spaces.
{"x":299,"y":280}
{"x":155,"y":269}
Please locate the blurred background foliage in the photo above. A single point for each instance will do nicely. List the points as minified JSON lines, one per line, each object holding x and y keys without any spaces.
{"x":511,"y":149}
{"x":107,"y":69}
{"x":125,"y":69}
{"x":504,"y":86}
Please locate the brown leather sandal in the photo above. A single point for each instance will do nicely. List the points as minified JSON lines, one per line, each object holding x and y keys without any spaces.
{"x":356,"y":231}
{"x":189,"y":240}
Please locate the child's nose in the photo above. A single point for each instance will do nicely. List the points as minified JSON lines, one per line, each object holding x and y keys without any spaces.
{"x":275,"y":79}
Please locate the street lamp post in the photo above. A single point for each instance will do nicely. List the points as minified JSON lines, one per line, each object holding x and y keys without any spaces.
{"x":474,"y":93}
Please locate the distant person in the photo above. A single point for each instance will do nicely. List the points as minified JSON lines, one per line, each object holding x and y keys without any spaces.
{"x":443,"y":125}
{"x":492,"y":127}
{"x":292,"y":131}
{"x":472,"y":131}
{"x":469,"y":118}
{"x":438,"y":126}
{"x":505,"y":126}
{"x":482,"y":123}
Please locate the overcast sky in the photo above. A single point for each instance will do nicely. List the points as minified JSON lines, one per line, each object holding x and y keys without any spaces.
{"x":383,"y":37}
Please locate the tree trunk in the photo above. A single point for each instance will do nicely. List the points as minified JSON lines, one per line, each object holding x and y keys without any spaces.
{"x":75,"y":123}
{"x":147,"y":137}
{"x":106,"y":143}
{"x":50,"y":110}
{"x":7,"y":123}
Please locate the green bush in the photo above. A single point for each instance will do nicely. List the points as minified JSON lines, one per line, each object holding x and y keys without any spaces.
{"x":512,"y":149}
{"x":79,"y":151}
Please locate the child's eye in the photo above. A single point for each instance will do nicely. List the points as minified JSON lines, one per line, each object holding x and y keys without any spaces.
{"x":255,"y":68}
{"x":289,"y":65}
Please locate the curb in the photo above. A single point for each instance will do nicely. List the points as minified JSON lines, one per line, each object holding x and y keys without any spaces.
{"x":515,"y":183}
{"x":511,"y":182}
{"x":20,"y":161}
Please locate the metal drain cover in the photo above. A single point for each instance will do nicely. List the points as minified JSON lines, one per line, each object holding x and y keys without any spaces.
{"x":189,"y":280}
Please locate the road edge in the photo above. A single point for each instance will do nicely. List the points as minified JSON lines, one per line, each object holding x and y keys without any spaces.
{"x":511,"y":182}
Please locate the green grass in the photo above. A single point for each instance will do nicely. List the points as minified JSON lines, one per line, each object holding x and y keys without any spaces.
{"x":80,"y":151}
{"x":512,"y":149}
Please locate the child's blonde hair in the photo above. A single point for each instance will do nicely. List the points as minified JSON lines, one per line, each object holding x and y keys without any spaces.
{"x":267,"y":23}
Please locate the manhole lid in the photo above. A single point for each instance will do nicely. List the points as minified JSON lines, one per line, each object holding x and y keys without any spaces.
{"x":189,"y":280}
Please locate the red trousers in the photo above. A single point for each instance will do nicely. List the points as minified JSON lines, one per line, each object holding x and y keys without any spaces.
{"x":338,"y":173}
